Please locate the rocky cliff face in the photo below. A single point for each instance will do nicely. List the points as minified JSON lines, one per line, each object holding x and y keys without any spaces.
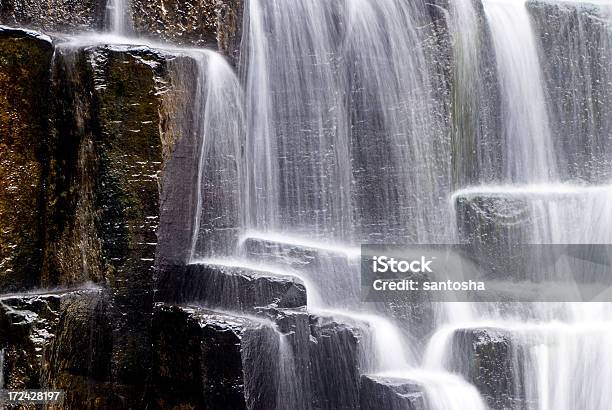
{"x":85,"y":135}
{"x":24,"y":78}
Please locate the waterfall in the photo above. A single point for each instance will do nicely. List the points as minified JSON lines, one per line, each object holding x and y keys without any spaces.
{"x":119,"y":17}
{"x":298,"y":150}
{"x":341,"y":128}
{"x":551,"y":64}
{"x":443,"y":391}
{"x":529,"y":148}
{"x":347,"y":141}
{"x":576,"y":44}
{"x":219,"y":124}
{"x":342,"y":110}
{"x":290,"y":394}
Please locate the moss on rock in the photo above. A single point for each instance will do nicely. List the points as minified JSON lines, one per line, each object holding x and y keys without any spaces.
{"x":25,"y":59}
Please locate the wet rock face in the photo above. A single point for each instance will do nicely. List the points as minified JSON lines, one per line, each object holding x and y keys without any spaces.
{"x":65,"y":16}
{"x":230,"y":288}
{"x":212,"y":23}
{"x":575,"y":43}
{"x":208,"y":360}
{"x":215,"y":24}
{"x":113,"y":132}
{"x":115,"y":128}
{"x":492,"y":225}
{"x":326,"y":360}
{"x":334,"y":358}
{"x":487,"y":358}
{"x":340,"y":269}
{"x":77,"y":360}
{"x":392,"y":394}
{"x":281,"y":358}
{"x":25,"y":58}
{"x":29,"y":324}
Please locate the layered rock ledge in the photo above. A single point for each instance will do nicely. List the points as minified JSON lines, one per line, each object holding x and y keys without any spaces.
{"x":232,"y":288}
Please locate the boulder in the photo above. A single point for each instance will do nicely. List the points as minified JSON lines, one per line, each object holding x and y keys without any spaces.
{"x":25,"y":59}
{"x":231,"y":288}
{"x":378,"y":392}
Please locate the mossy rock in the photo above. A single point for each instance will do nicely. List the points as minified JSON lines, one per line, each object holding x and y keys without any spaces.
{"x":25,"y":59}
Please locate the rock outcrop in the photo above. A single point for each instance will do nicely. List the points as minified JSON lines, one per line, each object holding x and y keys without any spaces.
{"x":208,"y":360}
{"x":232,"y":288}
{"x":28,"y":325}
{"x":113,"y":134}
{"x":488,"y":358}
{"x":378,"y":392}
{"x":215,"y":24}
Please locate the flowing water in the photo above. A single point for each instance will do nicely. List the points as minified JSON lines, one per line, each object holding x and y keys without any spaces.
{"x":341,"y":112}
{"x":556,"y":346}
{"x":529,"y":151}
{"x":220,"y":128}
{"x":119,"y":17}
{"x":343,"y":83}
{"x":338,"y":131}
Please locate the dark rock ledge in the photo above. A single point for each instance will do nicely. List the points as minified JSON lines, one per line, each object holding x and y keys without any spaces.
{"x":231,"y":288}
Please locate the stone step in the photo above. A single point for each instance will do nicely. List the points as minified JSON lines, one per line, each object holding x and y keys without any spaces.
{"x":207,"y":359}
{"x":282,"y":358}
{"x":332,"y":270}
{"x":230,"y":288}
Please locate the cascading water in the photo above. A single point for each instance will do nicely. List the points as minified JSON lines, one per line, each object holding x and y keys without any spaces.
{"x":220,"y":126}
{"x":553,"y":347}
{"x":576,"y":46}
{"x":529,"y":149}
{"x":298,"y":150}
{"x":119,"y":17}
{"x":396,"y":123}
{"x":339,"y":134}
{"x":341,"y":107}
{"x":346,"y":141}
